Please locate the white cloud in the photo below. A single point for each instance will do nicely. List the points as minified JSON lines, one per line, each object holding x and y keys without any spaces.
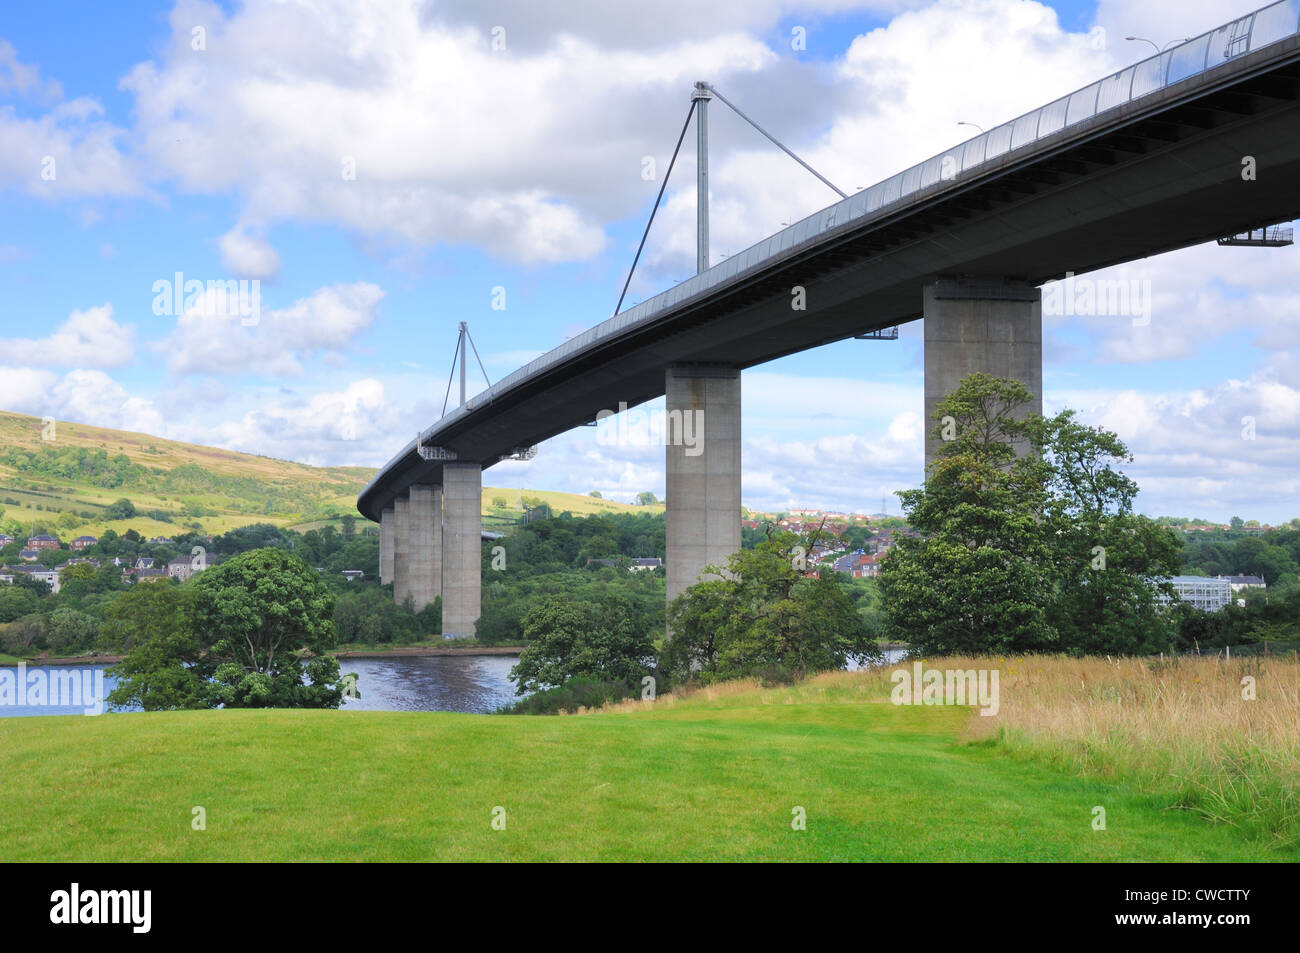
{"x":89,"y":338}
{"x":84,"y":396}
{"x":365,"y":116}
{"x":67,"y":152}
{"x":212,"y":340}
{"x":330,"y":427}
{"x":248,"y":255}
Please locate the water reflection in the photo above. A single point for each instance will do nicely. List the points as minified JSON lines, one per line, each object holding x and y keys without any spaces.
{"x":471,"y":683}
{"x":466,"y":683}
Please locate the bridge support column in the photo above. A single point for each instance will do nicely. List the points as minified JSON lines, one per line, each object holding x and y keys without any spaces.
{"x":462,"y":556}
{"x":702,"y":464}
{"x":386,"y":531}
{"x":401,"y":549}
{"x":992,"y":325}
{"x":425,"y":520}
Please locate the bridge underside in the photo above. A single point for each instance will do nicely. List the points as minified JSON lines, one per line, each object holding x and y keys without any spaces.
{"x":1166,"y":179}
{"x":1163,"y":172}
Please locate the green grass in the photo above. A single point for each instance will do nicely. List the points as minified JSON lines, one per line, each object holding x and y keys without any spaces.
{"x":702,"y":779}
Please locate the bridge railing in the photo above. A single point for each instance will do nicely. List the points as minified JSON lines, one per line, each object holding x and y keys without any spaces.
{"x":1265,"y":26}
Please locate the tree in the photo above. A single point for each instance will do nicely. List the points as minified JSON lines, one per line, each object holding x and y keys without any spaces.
{"x":122,"y":509}
{"x":16,"y":602}
{"x":68,"y":630}
{"x":1106,"y":558}
{"x":766,"y":614}
{"x":259,"y":609}
{"x":570,"y":639}
{"x":1023,"y":551}
{"x":164,"y":668}
{"x":975,"y":581}
{"x":232,"y":638}
{"x":646,"y":498}
{"x":594,"y":494}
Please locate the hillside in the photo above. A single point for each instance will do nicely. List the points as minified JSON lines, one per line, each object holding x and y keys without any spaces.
{"x":66,"y":484}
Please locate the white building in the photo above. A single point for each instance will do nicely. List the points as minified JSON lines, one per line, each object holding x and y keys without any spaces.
{"x":1201,"y":592}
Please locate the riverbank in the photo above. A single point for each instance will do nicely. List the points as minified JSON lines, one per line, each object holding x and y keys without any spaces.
{"x":406,"y":651}
{"x":427,"y":651}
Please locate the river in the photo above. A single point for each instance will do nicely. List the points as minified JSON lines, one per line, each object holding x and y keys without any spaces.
{"x":465,"y":683}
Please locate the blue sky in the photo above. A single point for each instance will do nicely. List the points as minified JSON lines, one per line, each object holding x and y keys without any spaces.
{"x":210,"y":139}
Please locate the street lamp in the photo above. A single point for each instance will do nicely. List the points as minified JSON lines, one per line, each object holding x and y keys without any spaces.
{"x":976,"y":125}
{"x":1158,"y":49}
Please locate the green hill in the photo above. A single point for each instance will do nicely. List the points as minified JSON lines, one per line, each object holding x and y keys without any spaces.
{"x":66,"y":484}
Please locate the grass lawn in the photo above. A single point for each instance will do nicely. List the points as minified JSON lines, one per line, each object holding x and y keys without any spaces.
{"x":714,"y":776}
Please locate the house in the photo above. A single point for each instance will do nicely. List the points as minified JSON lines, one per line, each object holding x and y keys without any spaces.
{"x":83,"y":542}
{"x":352,"y":575}
{"x":162,"y":541}
{"x":1201,"y":592}
{"x":634,"y":565}
{"x":859,"y":565}
{"x":148,"y":575}
{"x":145,"y":562}
{"x":42,"y":542}
{"x":36,"y":571}
{"x":1238,"y":583}
{"x":79,"y":561}
{"x":183,"y":567}
{"x":5,"y":540}
{"x":29,"y":555}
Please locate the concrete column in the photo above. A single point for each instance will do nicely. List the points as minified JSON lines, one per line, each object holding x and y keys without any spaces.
{"x":386,"y":531}
{"x":425,"y":519}
{"x":462,"y":526}
{"x":702,"y":466}
{"x":401,"y":549}
{"x":992,"y":325}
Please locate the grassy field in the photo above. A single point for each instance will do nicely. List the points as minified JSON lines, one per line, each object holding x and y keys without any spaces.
{"x":234,"y":489}
{"x":714,"y":775}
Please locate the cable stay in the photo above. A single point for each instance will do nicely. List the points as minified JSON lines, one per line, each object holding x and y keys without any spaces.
{"x":699,"y":109}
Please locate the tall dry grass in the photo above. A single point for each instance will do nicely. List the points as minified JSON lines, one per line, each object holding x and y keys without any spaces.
{"x":1184,"y":726}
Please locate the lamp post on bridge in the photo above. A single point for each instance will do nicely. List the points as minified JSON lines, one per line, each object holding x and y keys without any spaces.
{"x":1158,"y":49}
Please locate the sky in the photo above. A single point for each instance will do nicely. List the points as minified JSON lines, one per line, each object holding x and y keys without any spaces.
{"x":386,"y":170}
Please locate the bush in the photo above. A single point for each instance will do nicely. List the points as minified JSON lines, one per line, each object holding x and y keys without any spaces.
{"x":576,"y":693}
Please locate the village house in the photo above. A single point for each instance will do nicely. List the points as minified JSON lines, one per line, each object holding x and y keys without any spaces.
{"x":183,"y":567}
{"x":42,"y":542}
{"x":859,"y":565}
{"x":5,"y":540}
{"x":83,"y":542}
{"x":36,"y":571}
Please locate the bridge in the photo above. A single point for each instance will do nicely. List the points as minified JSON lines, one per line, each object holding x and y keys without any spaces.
{"x":1197,"y":143}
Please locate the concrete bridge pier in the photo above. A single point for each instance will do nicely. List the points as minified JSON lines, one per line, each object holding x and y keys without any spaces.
{"x":462,"y":548}
{"x":386,"y":531}
{"x":994,"y":325}
{"x":702,"y":466}
{"x":401,"y":549}
{"x":424,"y":516}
